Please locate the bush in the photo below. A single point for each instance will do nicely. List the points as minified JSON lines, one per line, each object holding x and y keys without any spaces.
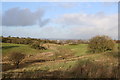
{"x":16,"y":58}
{"x":36,"y":45}
{"x":101,"y":44}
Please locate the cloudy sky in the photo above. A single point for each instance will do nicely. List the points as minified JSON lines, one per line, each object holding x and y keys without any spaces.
{"x":60,"y":20}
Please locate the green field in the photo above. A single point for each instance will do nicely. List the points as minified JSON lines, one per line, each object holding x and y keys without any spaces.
{"x":79,"y":50}
{"x":26,"y":49}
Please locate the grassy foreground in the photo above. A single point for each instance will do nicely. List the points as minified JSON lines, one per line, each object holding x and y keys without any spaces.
{"x":41,"y":63}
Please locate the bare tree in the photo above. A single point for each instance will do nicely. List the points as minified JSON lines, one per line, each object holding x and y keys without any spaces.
{"x":16,"y":58}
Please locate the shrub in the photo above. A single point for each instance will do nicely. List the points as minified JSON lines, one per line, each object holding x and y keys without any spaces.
{"x":89,"y":69}
{"x":36,"y":45}
{"x":101,"y":44}
{"x":16,"y":58}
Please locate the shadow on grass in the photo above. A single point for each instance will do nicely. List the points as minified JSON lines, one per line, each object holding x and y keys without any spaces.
{"x":8,"y":47}
{"x":34,"y":61}
{"x":8,"y":66}
{"x":36,"y":74}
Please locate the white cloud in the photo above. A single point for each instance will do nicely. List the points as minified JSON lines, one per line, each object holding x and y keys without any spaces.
{"x":68,"y":4}
{"x":88,"y":25}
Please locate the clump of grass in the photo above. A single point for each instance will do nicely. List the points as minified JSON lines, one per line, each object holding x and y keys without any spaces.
{"x":63,"y":53}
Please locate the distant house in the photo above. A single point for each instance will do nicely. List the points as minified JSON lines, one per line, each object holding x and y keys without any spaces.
{"x":58,"y":41}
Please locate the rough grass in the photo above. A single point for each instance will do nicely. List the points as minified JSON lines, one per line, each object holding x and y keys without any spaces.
{"x":63,"y":66}
{"x":49,"y":66}
{"x":92,"y":69}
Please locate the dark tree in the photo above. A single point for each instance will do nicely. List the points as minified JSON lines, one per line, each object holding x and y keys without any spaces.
{"x":16,"y":58}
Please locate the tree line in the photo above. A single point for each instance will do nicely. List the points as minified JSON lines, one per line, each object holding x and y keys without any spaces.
{"x":28,"y":40}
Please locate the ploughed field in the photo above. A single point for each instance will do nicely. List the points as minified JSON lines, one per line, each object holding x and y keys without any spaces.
{"x":59,"y":61}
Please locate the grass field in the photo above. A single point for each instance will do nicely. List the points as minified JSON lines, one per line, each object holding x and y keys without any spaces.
{"x":79,"y":50}
{"x":26,"y":49}
{"x":80,"y":55}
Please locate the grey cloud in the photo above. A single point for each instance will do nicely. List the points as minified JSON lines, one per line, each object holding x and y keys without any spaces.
{"x":44,"y":22}
{"x":21,"y":17}
{"x":0,"y":18}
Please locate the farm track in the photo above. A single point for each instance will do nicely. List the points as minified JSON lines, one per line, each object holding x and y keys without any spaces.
{"x":64,"y":60}
{"x":36,"y":59}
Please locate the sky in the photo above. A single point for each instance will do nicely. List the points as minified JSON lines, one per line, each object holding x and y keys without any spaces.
{"x":60,"y":20}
